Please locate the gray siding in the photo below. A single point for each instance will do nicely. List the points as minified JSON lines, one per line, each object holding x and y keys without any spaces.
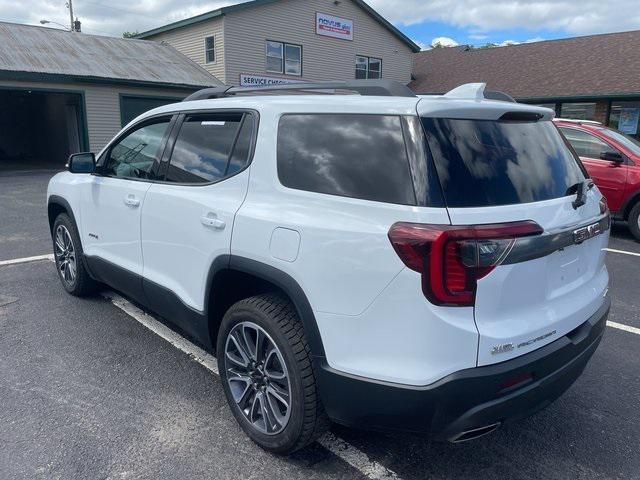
{"x":190,"y":42}
{"x":102,"y":105}
{"x":324,"y":58}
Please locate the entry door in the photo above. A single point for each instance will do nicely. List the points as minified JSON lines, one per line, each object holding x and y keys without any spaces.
{"x":187,"y":220}
{"x":610,"y":177}
{"x":112,"y":202}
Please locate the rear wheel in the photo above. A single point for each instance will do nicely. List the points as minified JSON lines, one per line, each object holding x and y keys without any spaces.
{"x":267,"y":375}
{"x":69,"y":258}
{"x":634,"y":221}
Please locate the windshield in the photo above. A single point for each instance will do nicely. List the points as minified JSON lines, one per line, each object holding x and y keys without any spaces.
{"x":627,"y":141}
{"x":489,"y":163}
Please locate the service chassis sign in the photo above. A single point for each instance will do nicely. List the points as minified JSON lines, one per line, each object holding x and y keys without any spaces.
{"x":335,"y":27}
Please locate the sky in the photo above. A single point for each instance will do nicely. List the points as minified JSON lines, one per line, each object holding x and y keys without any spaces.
{"x":448,"y":22}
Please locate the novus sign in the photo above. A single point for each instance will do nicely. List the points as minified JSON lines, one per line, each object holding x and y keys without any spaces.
{"x":335,"y":27}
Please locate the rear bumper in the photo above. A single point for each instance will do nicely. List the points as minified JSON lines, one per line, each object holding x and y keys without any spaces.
{"x":467,"y":400}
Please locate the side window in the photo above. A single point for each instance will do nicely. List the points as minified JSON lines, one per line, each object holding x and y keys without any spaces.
{"x":585,"y":144}
{"x":210,"y":147}
{"x":137,"y":154}
{"x":349,"y":155}
{"x":210,"y":49}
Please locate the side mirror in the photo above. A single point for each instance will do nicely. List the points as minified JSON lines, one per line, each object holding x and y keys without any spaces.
{"x":612,"y":156}
{"x":82,"y":163}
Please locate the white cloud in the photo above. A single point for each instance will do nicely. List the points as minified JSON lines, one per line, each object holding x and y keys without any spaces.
{"x":590,"y":16}
{"x":444,"y":42}
{"x":506,"y":43}
{"x":479,"y":16}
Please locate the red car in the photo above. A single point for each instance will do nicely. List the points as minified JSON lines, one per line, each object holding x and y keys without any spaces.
{"x":613,"y":161}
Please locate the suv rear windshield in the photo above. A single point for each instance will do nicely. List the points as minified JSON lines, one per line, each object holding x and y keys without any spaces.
{"x":489,"y":163}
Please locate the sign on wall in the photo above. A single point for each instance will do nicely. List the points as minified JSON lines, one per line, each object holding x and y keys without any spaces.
{"x":335,"y":27}
{"x":628,"y":122}
{"x":249,"y":80}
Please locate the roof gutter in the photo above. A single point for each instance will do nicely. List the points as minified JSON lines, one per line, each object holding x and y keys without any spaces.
{"x":64,"y":78}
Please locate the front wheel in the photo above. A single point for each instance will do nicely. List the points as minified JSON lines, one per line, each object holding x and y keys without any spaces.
{"x":69,"y":258}
{"x":267,"y":375}
{"x":634,"y":221}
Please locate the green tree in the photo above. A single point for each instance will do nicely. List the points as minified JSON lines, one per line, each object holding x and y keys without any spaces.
{"x":130,"y":34}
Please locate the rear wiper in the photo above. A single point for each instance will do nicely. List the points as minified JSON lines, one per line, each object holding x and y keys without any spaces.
{"x":581,"y":190}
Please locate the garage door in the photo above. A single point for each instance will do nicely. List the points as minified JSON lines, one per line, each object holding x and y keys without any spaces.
{"x":131,"y":106}
{"x":40,"y":128}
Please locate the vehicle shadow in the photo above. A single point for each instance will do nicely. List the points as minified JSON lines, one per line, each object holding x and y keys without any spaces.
{"x":557,"y":443}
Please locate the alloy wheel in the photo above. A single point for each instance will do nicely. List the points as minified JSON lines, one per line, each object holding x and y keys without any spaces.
{"x":65,"y":255}
{"x":258,"y":378}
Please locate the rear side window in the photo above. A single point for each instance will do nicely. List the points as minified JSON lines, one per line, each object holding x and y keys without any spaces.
{"x":349,"y":155}
{"x":210,"y":147}
{"x":488,"y":163}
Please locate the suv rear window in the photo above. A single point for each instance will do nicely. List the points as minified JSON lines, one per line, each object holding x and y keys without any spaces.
{"x":489,"y":163}
{"x":350,"y":155}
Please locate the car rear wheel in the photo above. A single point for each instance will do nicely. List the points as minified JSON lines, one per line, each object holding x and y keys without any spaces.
{"x":69,"y":258}
{"x":634,"y":221}
{"x":267,"y":374}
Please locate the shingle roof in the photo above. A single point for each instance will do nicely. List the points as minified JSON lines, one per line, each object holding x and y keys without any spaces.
{"x":256,"y":3}
{"x":595,"y":65}
{"x":53,"y":53}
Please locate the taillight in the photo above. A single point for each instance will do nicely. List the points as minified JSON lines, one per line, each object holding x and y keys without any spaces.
{"x":451,"y":259}
{"x":604,"y":206}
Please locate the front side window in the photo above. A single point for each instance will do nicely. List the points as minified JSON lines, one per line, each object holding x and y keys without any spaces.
{"x":284,"y":58}
{"x":210,"y":49}
{"x":585,"y":144}
{"x":348,"y":155}
{"x":368,"y":67}
{"x":210,"y":147}
{"x":137,"y":154}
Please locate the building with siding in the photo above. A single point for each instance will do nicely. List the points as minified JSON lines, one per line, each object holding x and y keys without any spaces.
{"x":62,"y":92}
{"x":264,"y":42}
{"x":588,"y":78}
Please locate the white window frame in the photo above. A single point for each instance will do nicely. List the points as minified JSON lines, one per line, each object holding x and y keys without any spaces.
{"x":207,"y":50}
{"x":282,"y":57}
{"x":368,"y":69}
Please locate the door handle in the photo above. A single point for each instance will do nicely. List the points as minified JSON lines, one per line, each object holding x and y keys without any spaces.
{"x":131,"y":201}
{"x":212,"y":220}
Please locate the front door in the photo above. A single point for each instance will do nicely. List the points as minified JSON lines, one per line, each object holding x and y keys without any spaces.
{"x":112,"y":203}
{"x":610,"y":177}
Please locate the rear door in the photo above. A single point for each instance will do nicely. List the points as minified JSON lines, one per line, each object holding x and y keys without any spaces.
{"x":188,"y":216}
{"x":611,"y":177}
{"x":496,"y":171}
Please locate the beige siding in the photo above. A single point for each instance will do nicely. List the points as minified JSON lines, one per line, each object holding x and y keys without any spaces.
{"x":190,"y":42}
{"x":102,"y":104}
{"x":324,"y":58}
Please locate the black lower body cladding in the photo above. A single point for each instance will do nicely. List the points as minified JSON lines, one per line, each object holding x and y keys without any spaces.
{"x":474,"y":399}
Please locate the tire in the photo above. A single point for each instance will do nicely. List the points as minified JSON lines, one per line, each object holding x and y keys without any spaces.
{"x":634,"y":221}
{"x":69,"y":258}
{"x":273,"y":319}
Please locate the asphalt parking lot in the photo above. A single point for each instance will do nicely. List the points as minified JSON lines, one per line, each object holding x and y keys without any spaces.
{"x":88,"y":392}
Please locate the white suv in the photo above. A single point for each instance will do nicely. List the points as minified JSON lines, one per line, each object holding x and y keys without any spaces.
{"x":383,"y":260}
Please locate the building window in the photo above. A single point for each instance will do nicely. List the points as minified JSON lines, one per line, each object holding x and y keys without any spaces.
{"x":368,"y":67}
{"x":284,"y":58}
{"x":210,"y":49}
{"x":625,"y":116}
{"x":578,"y":111}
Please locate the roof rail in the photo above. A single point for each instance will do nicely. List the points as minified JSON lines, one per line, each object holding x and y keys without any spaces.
{"x":383,"y":88}
{"x":476,"y":91}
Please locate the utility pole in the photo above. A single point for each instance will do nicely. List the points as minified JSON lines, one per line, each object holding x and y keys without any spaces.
{"x":70,"y":7}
